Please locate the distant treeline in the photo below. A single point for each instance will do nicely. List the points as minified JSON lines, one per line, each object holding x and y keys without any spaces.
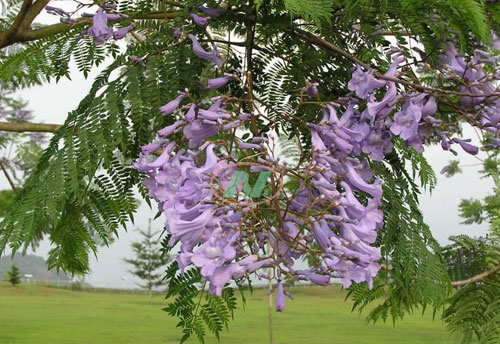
{"x":33,"y":265}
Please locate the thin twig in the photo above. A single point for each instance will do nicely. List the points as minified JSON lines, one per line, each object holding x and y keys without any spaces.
{"x":11,"y":182}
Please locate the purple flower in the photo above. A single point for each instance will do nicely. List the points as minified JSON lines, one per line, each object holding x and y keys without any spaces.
{"x":375,"y":189}
{"x":212,"y":56}
{"x":315,"y":278}
{"x":364,"y":83}
{"x":57,"y":11}
{"x":152,"y":147}
{"x":280,"y":298}
{"x":244,"y":145}
{"x":406,"y":121}
{"x":455,"y":62}
{"x":322,"y":234}
{"x":222,"y":275}
{"x":385,"y":105}
{"x":189,"y":232}
{"x":311,"y":89}
{"x":220,"y":82}
{"x":200,"y":21}
{"x":170,"y":107}
{"x":466,"y":146}
{"x":430,"y":107}
{"x":214,"y":253}
{"x":197,"y":131}
{"x":100,"y":30}
{"x":177,"y":33}
{"x":212,"y":115}
{"x":168,"y":130}
{"x":377,"y":143}
{"x":190,"y":115}
{"x":119,"y":34}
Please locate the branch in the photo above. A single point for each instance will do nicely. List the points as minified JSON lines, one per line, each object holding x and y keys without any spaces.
{"x":24,"y":34}
{"x":476,"y":278}
{"x":21,"y":127}
{"x":324,"y":44}
{"x":8,"y":35}
{"x":33,"y":12}
{"x":32,"y":35}
{"x":389,"y":33}
{"x":11,"y":182}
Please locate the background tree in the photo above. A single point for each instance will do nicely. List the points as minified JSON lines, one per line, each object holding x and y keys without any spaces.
{"x":13,"y":276}
{"x":148,"y":261}
{"x":474,"y":264}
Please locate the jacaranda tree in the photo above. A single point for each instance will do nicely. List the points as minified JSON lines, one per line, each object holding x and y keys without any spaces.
{"x":269,"y":132}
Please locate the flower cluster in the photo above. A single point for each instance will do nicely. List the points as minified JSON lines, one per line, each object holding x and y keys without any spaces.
{"x":100,"y":30}
{"x":335,"y":211}
{"x":208,"y":232}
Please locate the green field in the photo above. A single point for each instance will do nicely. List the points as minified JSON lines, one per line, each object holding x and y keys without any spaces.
{"x":40,"y":315}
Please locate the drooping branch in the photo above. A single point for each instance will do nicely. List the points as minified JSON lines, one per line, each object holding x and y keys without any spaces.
{"x":21,"y":127}
{"x":476,"y":278}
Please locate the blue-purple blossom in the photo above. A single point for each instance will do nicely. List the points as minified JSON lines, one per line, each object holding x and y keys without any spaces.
{"x":212,"y":56}
{"x":280,"y":298}
{"x":177,"y":33}
{"x":364,"y":83}
{"x":220,"y":82}
{"x":170,"y":107}
{"x":471,"y":149}
{"x":119,"y":34}
{"x":200,"y":21}
{"x":100,"y":30}
{"x":314,"y":277}
{"x":406,"y":121}
{"x":311,"y":89}
{"x":57,"y":11}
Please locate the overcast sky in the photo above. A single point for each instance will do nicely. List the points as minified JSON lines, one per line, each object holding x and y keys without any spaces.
{"x":52,"y":102}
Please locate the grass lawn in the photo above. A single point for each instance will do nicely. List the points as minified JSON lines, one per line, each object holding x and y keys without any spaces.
{"x":39,"y":315}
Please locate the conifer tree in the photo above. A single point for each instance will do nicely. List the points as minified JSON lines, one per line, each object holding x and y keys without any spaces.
{"x":148,"y":260}
{"x":13,"y":276}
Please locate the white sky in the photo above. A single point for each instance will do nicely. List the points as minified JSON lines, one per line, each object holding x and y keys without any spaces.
{"x":52,"y":102}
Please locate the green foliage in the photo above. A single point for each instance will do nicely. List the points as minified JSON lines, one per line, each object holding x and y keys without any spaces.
{"x":473,"y":311}
{"x":7,"y":197}
{"x":13,"y":276}
{"x":452,"y":168}
{"x":310,"y":10}
{"x":471,"y":210}
{"x":85,"y":178}
{"x":467,"y":257}
{"x":413,"y":273}
{"x":197,"y":309}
